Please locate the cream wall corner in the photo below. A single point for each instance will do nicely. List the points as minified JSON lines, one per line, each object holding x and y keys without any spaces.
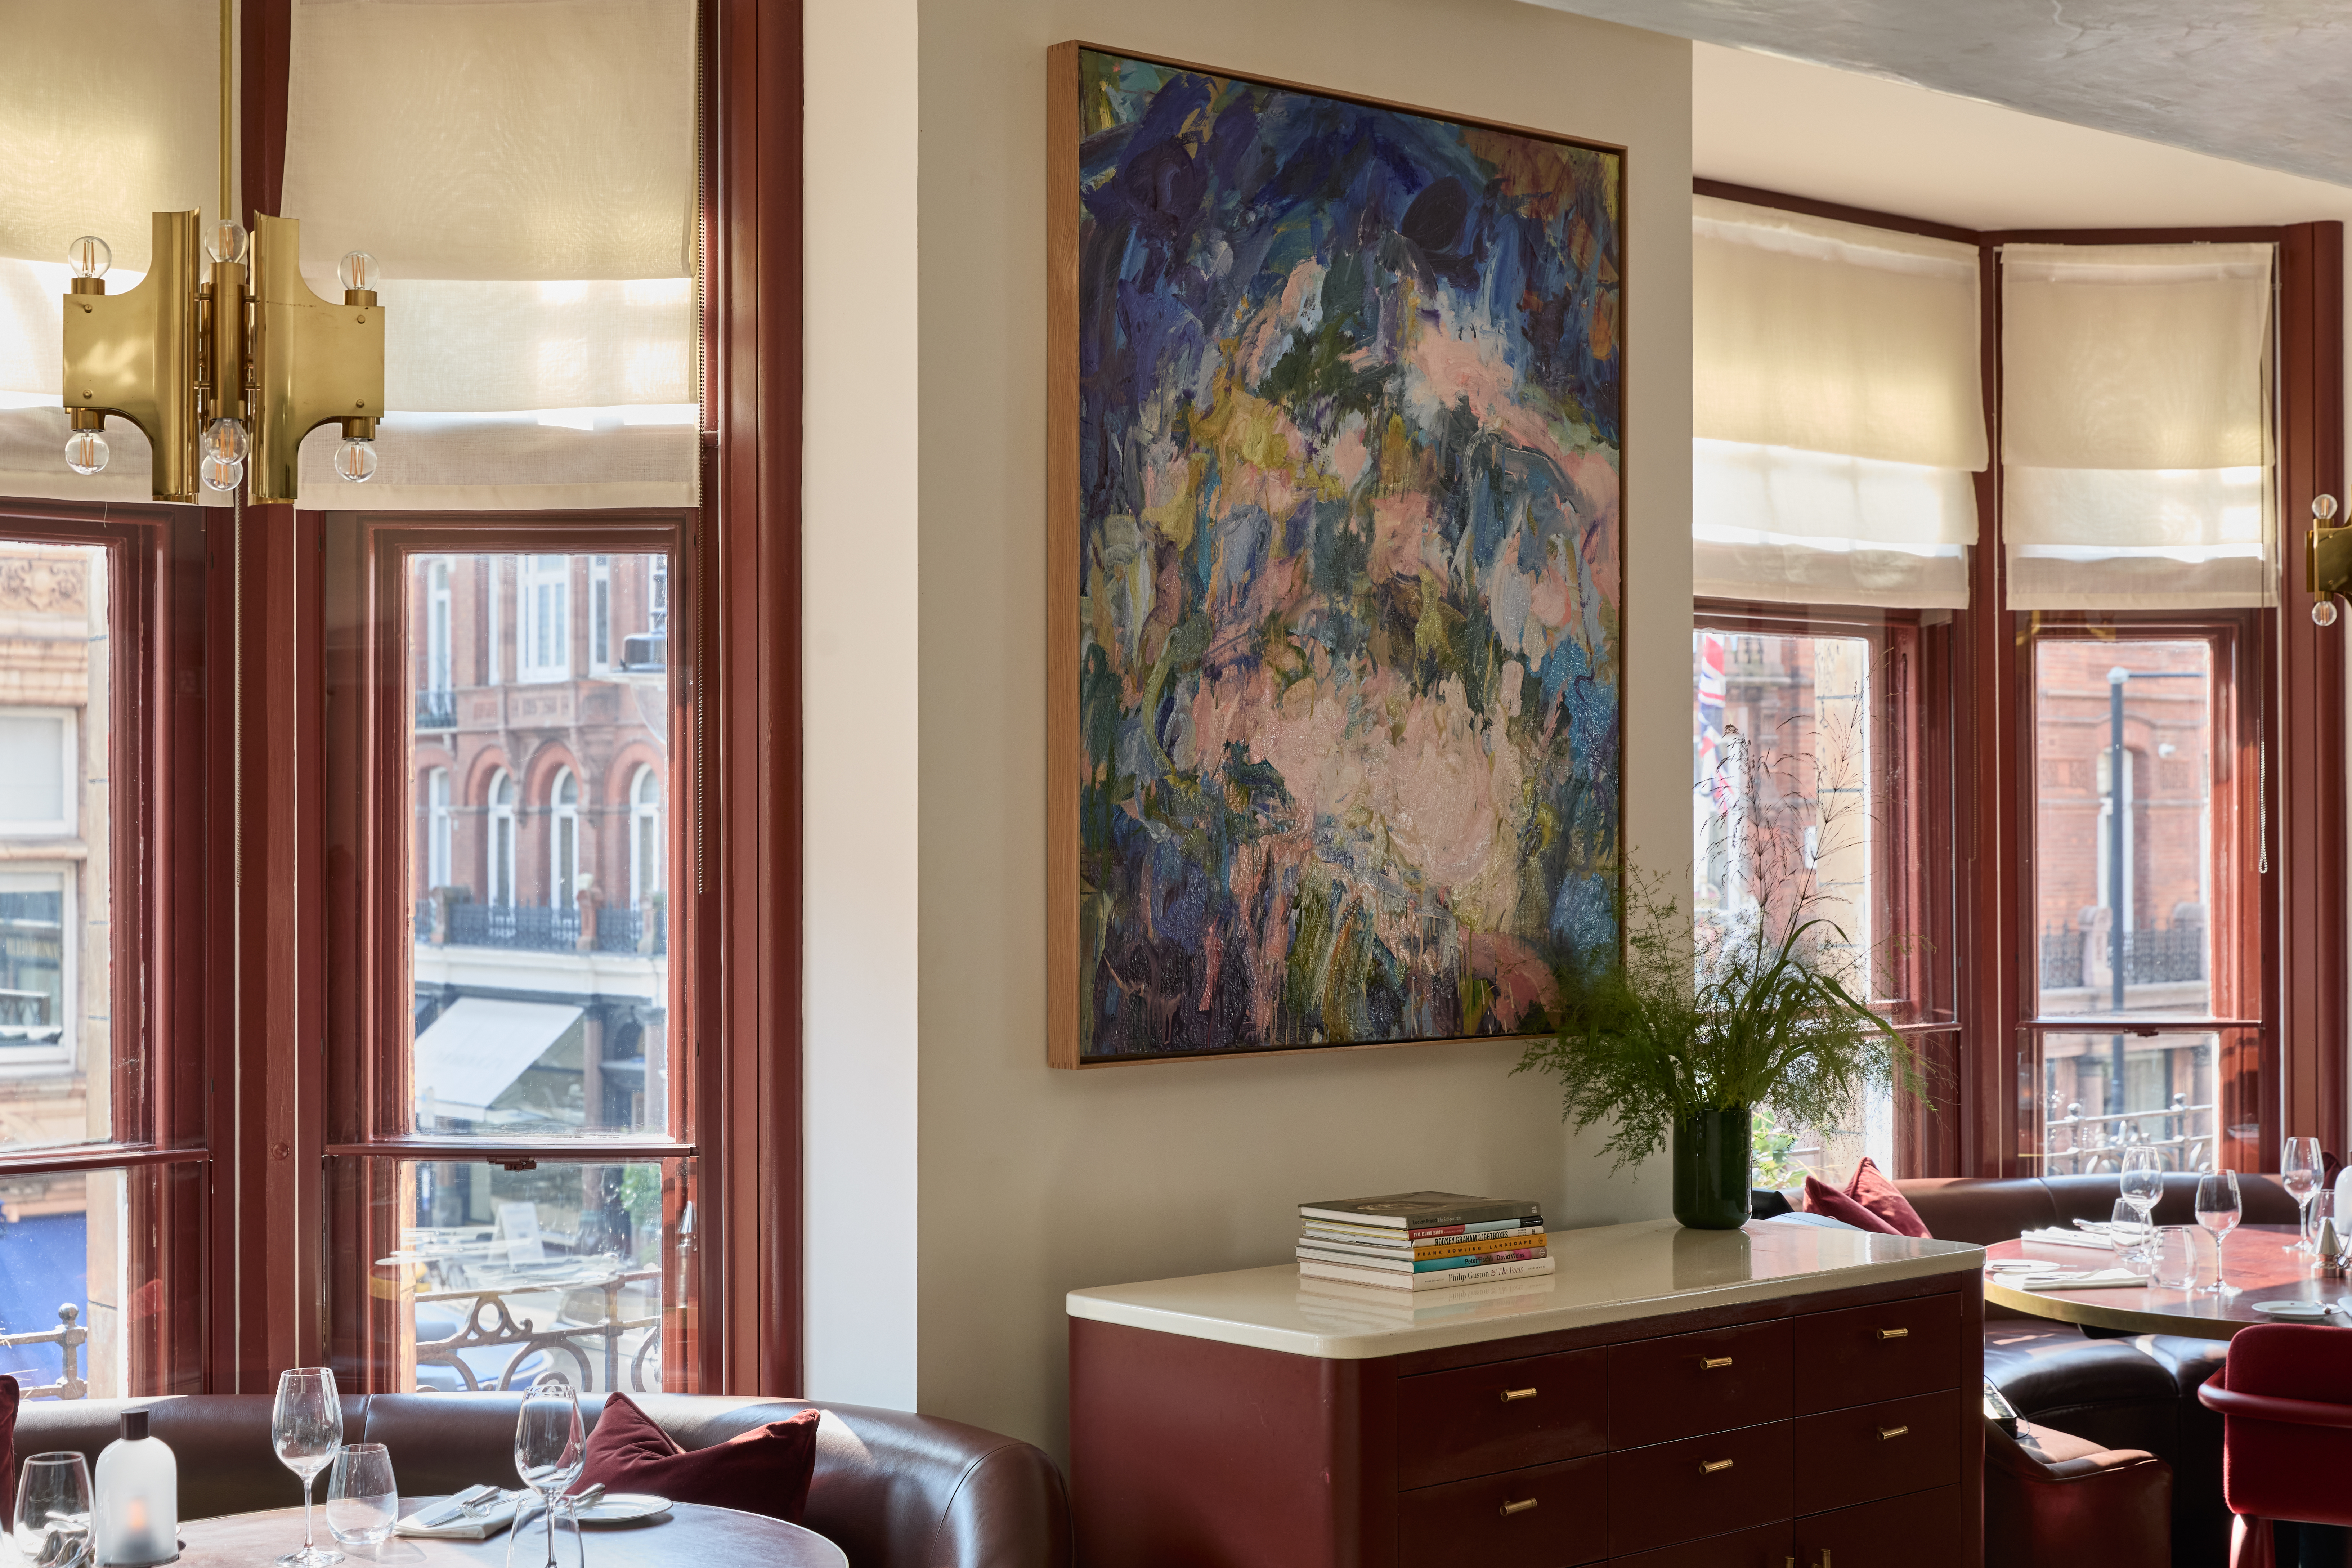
{"x":1030,"y":1182}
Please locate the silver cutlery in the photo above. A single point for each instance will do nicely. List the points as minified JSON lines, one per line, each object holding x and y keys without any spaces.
{"x":459,"y":1506}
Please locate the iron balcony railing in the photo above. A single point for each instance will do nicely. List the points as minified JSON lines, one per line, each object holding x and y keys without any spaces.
{"x":2079,"y":1145}
{"x":68,"y":1336}
{"x":437,"y":709}
{"x":2150,"y":957}
{"x":537,"y":929}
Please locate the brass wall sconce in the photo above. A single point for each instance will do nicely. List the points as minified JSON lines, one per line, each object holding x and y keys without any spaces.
{"x":216,"y":371}
{"x":2326,"y":560}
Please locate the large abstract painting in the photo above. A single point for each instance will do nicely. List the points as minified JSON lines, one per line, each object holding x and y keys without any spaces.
{"x":1334,"y":643}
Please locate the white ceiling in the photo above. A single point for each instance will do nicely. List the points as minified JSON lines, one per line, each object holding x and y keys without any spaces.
{"x":1783,"y":125}
{"x":2260,"y":81}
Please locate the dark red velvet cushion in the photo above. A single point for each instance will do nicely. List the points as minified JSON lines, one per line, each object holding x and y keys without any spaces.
{"x":766,"y":1471}
{"x":1821,"y":1198}
{"x":9,"y":1395}
{"x":1872,"y":1191}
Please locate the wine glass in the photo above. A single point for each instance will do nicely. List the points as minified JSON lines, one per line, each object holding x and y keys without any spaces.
{"x":53,"y":1511}
{"x":2142,"y":1181}
{"x":2128,"y":1233}
{"x":363,"y":1499}
{"x":550,"y":1445}
{"x":306,"y":1428}
{"x":2300,"y":1169}
{"x":2218,"y":1208}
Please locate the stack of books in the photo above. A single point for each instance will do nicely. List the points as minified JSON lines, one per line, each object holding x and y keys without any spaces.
{"x":1421,"y":1241}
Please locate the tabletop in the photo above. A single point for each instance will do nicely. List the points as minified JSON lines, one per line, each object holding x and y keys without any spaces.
{"x":692,"y":1533}
{"x":2255,"y":1263}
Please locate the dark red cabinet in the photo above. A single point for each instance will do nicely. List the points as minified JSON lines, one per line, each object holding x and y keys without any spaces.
{"x":1753,"y":1436}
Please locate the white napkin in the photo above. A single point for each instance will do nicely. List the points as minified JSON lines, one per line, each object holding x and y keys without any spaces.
{"x":2053,"y":1236}
{"x":477,"y":1526}
{"x":2097,"y":1280}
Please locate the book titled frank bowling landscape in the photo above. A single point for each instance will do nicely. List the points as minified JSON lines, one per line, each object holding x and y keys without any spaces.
{"x":1335,"y":676}
{"x":1421,"y":1241}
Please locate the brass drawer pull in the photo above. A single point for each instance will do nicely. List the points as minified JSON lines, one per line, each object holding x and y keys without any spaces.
{"x":1520,"y":1507}
{"x":1708,"y":1466}
{"x":1513,"y":1395}
{"x":1713,"y":1362}
{"x":1887,"y":1433}
{"x":1893,"y":1333}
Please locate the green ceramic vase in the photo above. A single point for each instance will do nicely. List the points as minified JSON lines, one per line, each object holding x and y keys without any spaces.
{"x":1711,"y":1155}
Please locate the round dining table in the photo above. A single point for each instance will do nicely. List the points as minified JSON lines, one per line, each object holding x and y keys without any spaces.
{"x":2255,"y":1263}
{"x":689,"y":1532}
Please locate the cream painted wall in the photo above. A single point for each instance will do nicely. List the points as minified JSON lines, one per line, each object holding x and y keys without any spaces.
{"x":860,"y":695}
{"x":1032,"y":1182}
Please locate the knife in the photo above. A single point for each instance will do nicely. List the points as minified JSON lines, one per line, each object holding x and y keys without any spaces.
{"x":457,"y":1507}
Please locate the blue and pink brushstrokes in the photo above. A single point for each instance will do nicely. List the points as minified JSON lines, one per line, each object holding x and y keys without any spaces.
{"x":1350,"y":392}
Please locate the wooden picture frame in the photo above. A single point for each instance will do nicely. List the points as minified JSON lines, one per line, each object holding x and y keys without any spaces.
{"x":1334,"y":457}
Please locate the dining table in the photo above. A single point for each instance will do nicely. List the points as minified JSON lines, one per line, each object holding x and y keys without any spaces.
{"x":2258,"y":1264}
{"x":688,"y":1533}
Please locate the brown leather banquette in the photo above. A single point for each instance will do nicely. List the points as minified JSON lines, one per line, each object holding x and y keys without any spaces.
{"x":892,"y":1490}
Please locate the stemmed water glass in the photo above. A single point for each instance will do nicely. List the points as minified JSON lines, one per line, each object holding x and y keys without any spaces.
{"x":550,"y":1446}
{"x":53,"y":1511}
{"x":2142,"y":1182}
{"x":306,"y":1428}
{"x":2300,"y":1169}
{"x":2218,"y":1210}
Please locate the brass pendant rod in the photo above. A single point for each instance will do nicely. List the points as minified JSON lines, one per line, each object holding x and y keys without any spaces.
{"x":228,"y":79}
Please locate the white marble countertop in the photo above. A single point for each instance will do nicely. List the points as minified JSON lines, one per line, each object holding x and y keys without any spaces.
{"x":1608,"y":1275}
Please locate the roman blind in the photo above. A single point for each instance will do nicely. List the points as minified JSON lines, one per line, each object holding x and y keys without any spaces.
{"x":1837,"y":410}
{"x":2136,"y":428}
{"x":105,"y":121}
{"x":525,"y":172}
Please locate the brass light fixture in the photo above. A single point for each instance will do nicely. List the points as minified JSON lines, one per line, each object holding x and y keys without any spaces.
{"x":217,"y":371}
{"x":2327,"y":559}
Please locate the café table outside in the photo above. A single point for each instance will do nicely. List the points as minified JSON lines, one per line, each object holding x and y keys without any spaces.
{"x":2255,"y":1263}
{"x":692,"y":1533}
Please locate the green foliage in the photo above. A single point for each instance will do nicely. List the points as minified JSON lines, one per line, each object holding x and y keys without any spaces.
{"x":1741,"y":1018}
{"x":1769,"y":1159}
{"x":641,"y":1195}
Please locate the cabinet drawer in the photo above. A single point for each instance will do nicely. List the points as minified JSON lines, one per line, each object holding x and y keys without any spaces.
{"x":1866,"y":1452}
{"x":1766,"y":1546}
{"x":1669,"y":1493}
{"x":1685,"y":1385}
{"x":1503,"y":1416}
{"x":1553,"y":1516}
{"x":1921,"y":1531}
{"x":1864,"y":1354}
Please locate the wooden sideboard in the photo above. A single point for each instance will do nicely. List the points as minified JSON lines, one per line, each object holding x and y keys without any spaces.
{"x":1781,"y":1395}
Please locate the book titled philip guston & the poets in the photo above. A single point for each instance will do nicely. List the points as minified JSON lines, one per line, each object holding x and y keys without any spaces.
{"x":1420,"y":1241}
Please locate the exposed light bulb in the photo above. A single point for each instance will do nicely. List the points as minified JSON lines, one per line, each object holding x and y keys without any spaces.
{"x":2324,"y":612}
{"x":86,"y":451}
{"x":226,"y":242}
{"x":88,"y":256}
{"x":355,"y":460}
{"x":221,"y":474}
{"x":225,"y":439}
{"x":358,"y":270}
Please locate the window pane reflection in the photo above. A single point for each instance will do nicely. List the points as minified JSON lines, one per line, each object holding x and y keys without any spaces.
{"x":538,"y":836}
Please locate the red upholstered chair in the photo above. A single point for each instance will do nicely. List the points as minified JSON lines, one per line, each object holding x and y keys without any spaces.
{"x":2051,"y":1500}
{"x":2286,"y":1400}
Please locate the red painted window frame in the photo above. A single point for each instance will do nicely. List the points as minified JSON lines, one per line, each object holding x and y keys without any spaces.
{"x":2301,"y":957}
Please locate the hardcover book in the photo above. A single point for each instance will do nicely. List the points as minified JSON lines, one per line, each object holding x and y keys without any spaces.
{"x":1420,"y":1211}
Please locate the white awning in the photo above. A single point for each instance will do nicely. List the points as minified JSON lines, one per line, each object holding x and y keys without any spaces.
{"x":479,"y":1047}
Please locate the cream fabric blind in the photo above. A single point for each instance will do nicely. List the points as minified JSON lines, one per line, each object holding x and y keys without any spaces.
{"x":2136,"y":436}
{"x":104,"y":123}
{"x":525,"y":171}
{"x":1838,"y":410}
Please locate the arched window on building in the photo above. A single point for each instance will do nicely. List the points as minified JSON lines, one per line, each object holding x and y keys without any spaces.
{"x":645,"y":836}
{"x":502,"y":838}
{"x":563,"y":841}
{"x":436,"y":829}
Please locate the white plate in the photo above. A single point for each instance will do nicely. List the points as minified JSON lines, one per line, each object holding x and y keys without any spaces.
{"x":2293,"y":1308}
{"x":623,"y":1508}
